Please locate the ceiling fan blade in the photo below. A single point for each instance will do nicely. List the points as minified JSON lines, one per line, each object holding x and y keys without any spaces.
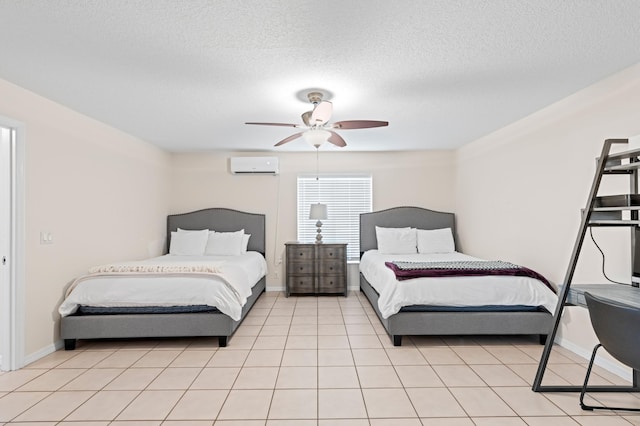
{"x":274,"y":124}
{"x":359,"y":124}
{"x":336,"y":139}
{"x":289,"y":139}
{"x":321,"y":113}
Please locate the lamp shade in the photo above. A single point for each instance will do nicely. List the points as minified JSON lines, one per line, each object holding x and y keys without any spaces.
{"x":316,"y":137}
{"x":318,"y":211}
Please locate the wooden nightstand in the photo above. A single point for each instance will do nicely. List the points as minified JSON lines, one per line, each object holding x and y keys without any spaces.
{"x":316,"y":268}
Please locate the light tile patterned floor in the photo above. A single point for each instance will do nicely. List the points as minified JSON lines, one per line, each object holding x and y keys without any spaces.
{"x":304,"y":361}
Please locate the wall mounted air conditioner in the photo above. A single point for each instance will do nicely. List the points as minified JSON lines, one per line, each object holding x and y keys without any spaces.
{"x":254,"y":165}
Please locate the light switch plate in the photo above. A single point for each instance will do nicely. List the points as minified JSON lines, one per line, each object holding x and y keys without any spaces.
{"x":46,"y":237}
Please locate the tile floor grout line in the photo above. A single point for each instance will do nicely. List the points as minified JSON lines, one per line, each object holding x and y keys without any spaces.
{"x":242,"y":366}
{"x":103,"y":389}
{"x":364,"y":401}
{"x":146,"y":388}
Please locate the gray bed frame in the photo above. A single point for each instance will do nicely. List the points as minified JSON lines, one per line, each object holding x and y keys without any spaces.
{"x":75,"y":327}
{"x":440,"y":323}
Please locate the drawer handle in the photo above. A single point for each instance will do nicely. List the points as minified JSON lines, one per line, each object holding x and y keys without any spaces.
{"x":302,"y":268}
{"x":331,"y":268}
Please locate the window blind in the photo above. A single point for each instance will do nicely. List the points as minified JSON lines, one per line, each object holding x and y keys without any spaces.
{"x":346,"y":197}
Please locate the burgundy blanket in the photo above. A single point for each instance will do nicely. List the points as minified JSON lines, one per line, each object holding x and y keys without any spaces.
{"x":409,"y":270}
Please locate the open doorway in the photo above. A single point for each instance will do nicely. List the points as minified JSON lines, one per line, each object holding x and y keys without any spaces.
{"x":11,"y":245}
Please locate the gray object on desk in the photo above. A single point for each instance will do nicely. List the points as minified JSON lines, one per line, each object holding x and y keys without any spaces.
{"x":623,"y":294}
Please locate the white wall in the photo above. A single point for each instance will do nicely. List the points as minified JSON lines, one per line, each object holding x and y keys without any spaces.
{"x":520,"y":190}
{"x":101,"y":193}
{"x":399,"y":178}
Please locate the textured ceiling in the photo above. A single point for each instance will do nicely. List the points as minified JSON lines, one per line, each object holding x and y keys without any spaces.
{"x":186,"y":75}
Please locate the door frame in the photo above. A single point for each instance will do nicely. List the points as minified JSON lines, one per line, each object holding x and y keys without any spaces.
{"x":12,"y":307}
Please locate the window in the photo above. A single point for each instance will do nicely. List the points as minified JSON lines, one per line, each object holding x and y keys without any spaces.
{"x":346,"y":197}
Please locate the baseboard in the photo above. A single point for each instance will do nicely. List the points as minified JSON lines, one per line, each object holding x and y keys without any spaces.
{"x":281,"y":288}
{"x":607,"y":364}
{"x":33,"y":357}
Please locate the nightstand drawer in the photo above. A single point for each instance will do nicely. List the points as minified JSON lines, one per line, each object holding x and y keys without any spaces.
{"x":331,"y":284}
{"x":331,"y":252}
{"x":301,"y":283}
{"x":331,"y":267}
{"x":300,"y":268}
{"x":301,"y":254}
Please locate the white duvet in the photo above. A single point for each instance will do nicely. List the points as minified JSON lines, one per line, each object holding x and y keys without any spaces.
{"x":224,"y":282}
{"x":449,"y":291}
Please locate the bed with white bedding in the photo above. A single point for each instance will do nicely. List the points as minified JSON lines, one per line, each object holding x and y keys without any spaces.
{"x":204,"y":286}
{"x":506,"y":302}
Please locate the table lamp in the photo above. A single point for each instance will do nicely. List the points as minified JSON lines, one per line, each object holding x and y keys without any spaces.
{"x":318,"y":212}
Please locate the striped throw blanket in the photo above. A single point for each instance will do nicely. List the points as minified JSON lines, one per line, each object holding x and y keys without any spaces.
{"x":408,"y":270}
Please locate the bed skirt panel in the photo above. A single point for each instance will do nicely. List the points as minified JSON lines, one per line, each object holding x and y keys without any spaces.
{"x":438,"y":323}
{"x":155,"y":325}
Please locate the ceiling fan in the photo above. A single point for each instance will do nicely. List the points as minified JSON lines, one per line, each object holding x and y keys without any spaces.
{"x":318,"y":128}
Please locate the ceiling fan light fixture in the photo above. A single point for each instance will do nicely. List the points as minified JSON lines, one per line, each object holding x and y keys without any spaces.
{"x":316,"y":137}
{"x":316,"y":121}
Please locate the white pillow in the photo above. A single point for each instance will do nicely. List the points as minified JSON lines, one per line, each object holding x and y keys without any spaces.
{"x":191,"y":230}
{"x":245,"y":243}
{"x":189,"y":243}
{"x":224,"y":243}
{"x":396,"y":240}
{"x":245,"y":238}
{"x":435,"y":241}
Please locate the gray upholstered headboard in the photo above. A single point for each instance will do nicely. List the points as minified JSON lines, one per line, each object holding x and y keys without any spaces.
{"x":399,"y":217}
{"x":221,"y":220}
